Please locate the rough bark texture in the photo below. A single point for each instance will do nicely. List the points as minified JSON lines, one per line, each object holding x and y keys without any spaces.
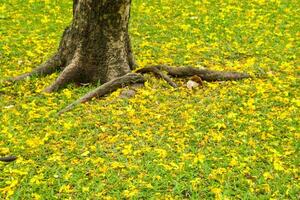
{"x":158,"y":73}
{"x":94,"y":48}
{"x":204,"y":74}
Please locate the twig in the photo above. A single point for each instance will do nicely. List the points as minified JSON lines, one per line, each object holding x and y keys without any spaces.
{"x":8,"y":158}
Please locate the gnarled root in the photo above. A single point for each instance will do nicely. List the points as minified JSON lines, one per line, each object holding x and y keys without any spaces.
{"x":67,"y":75}
{"x":157,"y":72}
{"x":134,"y":78}
{"x":204,"y":74}
{"x":106,"y":88}
{"x":47,"y":68}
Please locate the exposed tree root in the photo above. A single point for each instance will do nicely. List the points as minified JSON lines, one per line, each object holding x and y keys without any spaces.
{"x":47,"y":68}
{"x":8,"y":158}
{"x":133,"y":78}
{"x":97,"y":47}
{"x":106,"y":88}
{"x":156,"y":71}
{"x":204,"y":74}
{"x":130,"y":57}
{"x":72,"y":72}
{"x":67,"y":75}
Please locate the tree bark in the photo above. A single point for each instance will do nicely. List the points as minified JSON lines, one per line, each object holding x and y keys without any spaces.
{"x":106,"y":88}
{"x":96,"y":46}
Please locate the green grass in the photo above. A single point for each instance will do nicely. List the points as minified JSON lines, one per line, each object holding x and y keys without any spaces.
{"x":228,"y":140}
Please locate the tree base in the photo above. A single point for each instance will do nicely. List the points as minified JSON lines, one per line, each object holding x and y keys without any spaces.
{"x":96,"y":48}
{"x":71,"y":71}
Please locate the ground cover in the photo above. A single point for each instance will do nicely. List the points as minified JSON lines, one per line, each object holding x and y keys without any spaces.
{"x":225,"y":140}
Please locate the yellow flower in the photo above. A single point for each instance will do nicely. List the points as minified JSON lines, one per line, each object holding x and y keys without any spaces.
{"x":199,"y":158}
{"x":161,"y":153}
{"x":116,"y":165}
{"x":267,"y":175}
{"x":66,"y":189}
{"x":130,"y":193}
{"x":217,"y":192}
{"x":233,"y":162}
{"x":278,"y":165}
{"x":34,"y":142}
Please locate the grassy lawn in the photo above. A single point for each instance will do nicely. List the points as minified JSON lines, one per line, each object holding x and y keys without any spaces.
{"x":227,"y":140}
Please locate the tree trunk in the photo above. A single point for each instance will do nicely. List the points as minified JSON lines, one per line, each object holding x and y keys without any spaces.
{"x":96,"y":47}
